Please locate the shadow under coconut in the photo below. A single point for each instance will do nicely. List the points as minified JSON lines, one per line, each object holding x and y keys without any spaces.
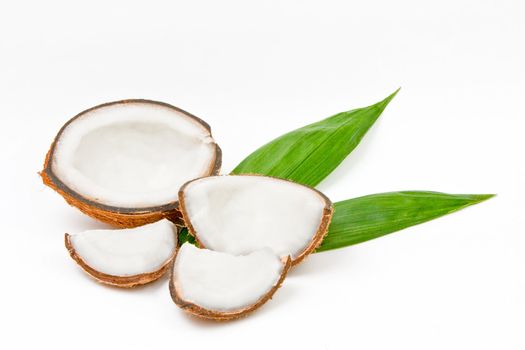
{"x":315,"y":264}
{"x":145,"y":288}
{"x":203,"y":322}
{"x":279,"y":300}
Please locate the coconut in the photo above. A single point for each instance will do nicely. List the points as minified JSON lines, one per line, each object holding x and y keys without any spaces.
{"x":222,"y":286}
{"x":239,"y":214}
{"x":126,"y":257}
{"x":123,"y":162}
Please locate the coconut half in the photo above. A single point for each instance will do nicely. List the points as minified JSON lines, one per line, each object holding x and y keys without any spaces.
{"x":125,"y":257}
{"x":239,"y":214}
{"x":222,"y":286}
{"x":123,"y":162}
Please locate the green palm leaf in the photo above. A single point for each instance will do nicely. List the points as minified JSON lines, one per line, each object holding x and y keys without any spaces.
{"x":361,"y":219}
{"x":309,"y":154}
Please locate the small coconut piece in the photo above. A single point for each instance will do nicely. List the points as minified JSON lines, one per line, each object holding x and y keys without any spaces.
{"x":238,"y":214}
{"x":126,"y":257}
{"x":222,"y":286}
{"x":123,"y":162}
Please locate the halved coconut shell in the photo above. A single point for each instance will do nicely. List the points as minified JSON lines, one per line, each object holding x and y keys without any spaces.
{"x":136,"y":133}
{"x":127,"y":257}
{"x":238,"y":214}
{"x":201,"y":281}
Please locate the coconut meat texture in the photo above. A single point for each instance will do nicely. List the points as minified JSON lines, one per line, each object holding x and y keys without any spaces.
{"x":240,"y":214}
{"x":132,"y":154}
{"x":126,"y":252}
{"x":215,"y":284}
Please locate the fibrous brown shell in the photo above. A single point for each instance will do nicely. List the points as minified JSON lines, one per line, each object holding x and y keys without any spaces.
{"x":117,"y":281}
{"x":117,"y":216}
{"x":215,"y":315}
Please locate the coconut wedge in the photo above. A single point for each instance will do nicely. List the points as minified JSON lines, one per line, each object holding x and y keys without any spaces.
{"x":221,"y":286}
{"x":126,"y":257}
{"x":239,"y":214}
{"x":123,"y":162}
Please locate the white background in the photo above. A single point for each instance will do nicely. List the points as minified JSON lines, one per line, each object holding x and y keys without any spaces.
{"x":254,"y":70}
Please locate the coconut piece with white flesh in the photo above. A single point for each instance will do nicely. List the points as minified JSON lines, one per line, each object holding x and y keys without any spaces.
{"x":125,"y":257}
{"x":222,"y":286}
{"x":123,"y":162}
{"x":239,"y":214}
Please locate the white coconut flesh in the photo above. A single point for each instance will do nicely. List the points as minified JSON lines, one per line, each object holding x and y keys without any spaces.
{"x":241,"y":214}
{"x":127,"y":252}
{"x":222,"y":282}
{"x":133,"y":154}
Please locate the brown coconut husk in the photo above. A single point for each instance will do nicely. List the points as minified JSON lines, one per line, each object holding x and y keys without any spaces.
{"x":117,"y":216}
{"x":116,"y":281}
{"x":202,"y":312}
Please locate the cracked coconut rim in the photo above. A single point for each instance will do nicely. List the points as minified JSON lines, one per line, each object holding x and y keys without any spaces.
{"x":123,"y":162}
{"x":239,"y":214}
{"x":222,"y":286}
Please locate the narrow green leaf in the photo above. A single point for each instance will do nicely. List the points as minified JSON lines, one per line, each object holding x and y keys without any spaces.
{"x":309,"y":154}
{"x":365,"y":218}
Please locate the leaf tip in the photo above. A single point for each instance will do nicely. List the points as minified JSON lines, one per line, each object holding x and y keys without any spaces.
{"x":387,"y":100}
{"x":392,"y":95}
{"x":483,"y":197}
